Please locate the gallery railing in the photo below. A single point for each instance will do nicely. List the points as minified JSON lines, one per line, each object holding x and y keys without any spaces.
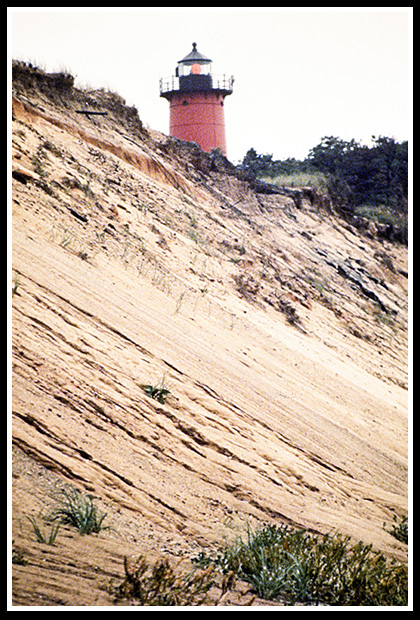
{"x":196,"y":83}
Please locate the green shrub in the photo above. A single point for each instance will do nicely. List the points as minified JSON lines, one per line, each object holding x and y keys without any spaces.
{"x":386,"y":215}
{"x":400,"y":529}
{"x":78,"y":510}
{"x":158,"y":392}
{"x":303,"y":567}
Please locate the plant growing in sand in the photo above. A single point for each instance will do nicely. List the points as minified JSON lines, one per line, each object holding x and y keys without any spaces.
{"x":15,"y":287}
{"x":39,"y":160}
{"x":77,"y":509}
{"x":163,"y":584}
{"x":158,"y":392}
{"x":299,"y":566}
{"x":400,"y":529}
{"x":46,"y":539}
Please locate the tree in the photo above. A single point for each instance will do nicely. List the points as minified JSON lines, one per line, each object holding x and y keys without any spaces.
{"x":391,"y":161}
{"x":257,"y":164}
{"x":328,"y":155}
{"x":358,"y":175}
{"x":375,"y":175}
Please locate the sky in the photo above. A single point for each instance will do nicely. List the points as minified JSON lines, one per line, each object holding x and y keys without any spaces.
{"x":301,"y":73}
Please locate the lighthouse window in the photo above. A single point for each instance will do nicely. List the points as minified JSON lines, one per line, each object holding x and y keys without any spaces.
{"x":185,"y":102}
{"x":221,"y":103}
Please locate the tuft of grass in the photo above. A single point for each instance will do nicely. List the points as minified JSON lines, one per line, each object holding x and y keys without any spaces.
{"x":78,"y":510}
{"x":299,"y":566}
{"x":39,"y":160}
{"x":158,"y":392}
{"x":162,"y":584}
{"x":400,"y":529}
{"x":15,"y":287}
{"x":46,"y":539}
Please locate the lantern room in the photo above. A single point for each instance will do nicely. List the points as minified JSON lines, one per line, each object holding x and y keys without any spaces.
{"x":194,"y":63}
{"x":194,"y":71}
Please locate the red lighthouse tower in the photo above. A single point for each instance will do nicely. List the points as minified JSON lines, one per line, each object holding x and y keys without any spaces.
{"x":196,"y":99}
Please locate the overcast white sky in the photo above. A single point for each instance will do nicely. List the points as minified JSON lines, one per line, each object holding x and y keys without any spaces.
{"x":300,"y":73}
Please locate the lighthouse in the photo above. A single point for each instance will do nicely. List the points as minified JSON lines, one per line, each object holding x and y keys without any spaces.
{"x":196,"y":99}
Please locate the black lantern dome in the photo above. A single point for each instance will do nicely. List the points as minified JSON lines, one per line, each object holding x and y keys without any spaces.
{"x":194,"y":74}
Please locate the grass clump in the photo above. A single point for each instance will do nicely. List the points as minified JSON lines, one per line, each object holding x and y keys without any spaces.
{"x":162,"y":584}
{"x":158,"y":392}
{"x":44,"y":538}
{"x":78,"y":510}
{"x":298,"y":566}
{"x":400,"y":529}
{"x":15,"y":287}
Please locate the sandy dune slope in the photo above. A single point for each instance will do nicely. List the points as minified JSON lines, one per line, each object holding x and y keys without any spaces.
{"x":279,"y":330}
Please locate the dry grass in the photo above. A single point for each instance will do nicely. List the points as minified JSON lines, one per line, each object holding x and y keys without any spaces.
{"x":162,"y":584}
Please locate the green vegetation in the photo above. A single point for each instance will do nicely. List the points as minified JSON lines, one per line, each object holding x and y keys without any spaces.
{"x":158,"y":392}
{"x":39,"y":160}
{"x":15,"y":287}
{"x":280,"y":564}
{"x":384,"y":215}
{"x":78,"y":510}
{"x":314,"y":179}
{"x":400,"y":529}
{"x":162,"y":584}
{"x":46,"y":539}
{"x":367,"y":181}
{"x":298,"y":566}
